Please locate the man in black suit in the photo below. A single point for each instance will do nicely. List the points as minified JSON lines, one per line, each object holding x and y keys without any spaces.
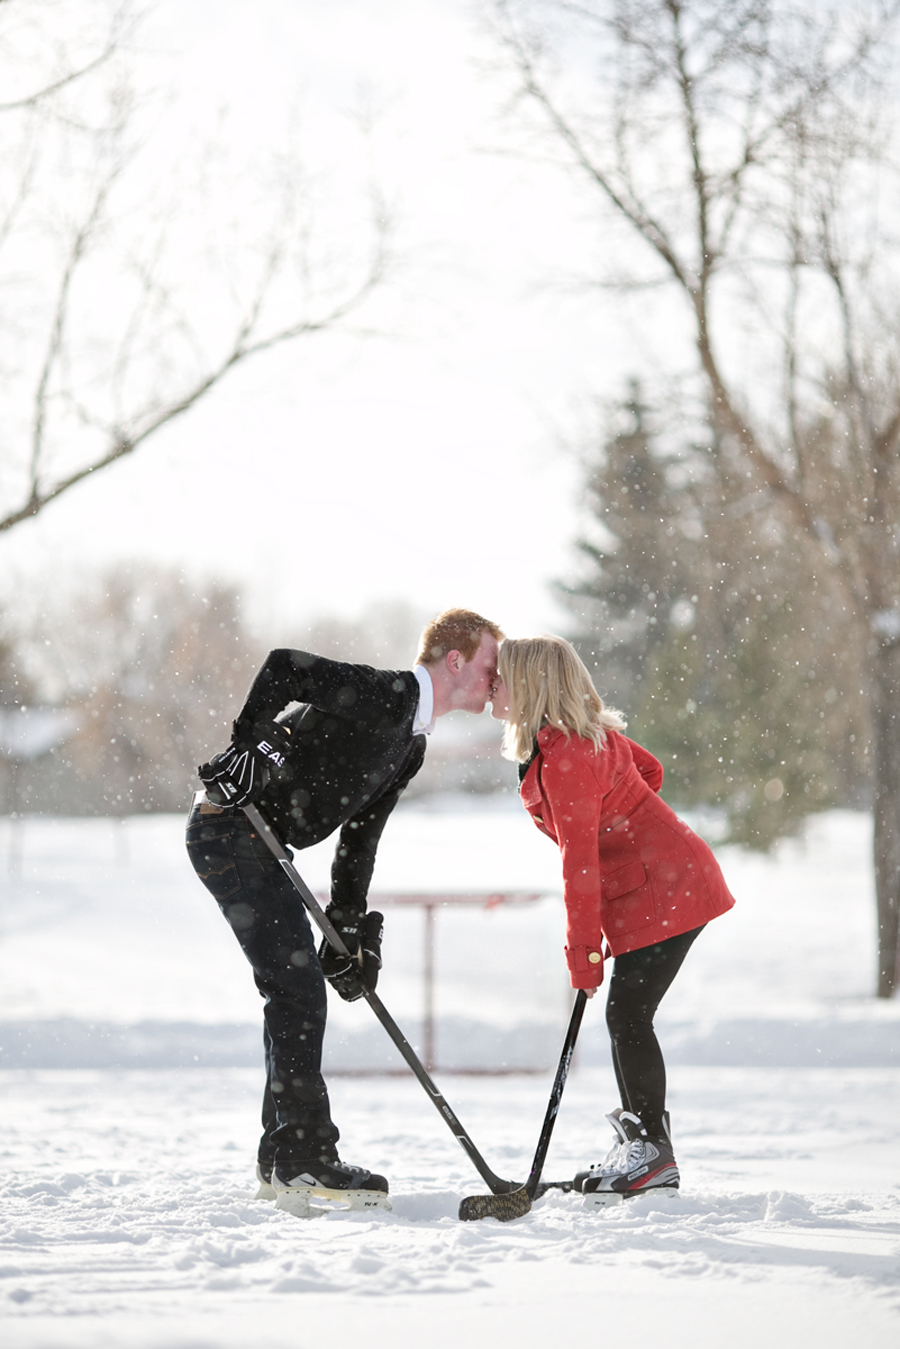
{"x":321,"y":745}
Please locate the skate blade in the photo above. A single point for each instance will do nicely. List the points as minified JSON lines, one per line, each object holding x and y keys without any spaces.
{"x":315,"y":1201}
{"x":265,"y":1191}
{"x":605,"y":1199}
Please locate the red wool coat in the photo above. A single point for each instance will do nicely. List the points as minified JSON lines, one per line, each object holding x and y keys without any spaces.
{"x":633,"y":873}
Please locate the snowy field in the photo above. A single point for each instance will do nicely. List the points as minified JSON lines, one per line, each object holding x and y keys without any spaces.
{"x":129,"y":1032}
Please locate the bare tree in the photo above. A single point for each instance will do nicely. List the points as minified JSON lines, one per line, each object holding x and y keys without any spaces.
{"x":134,"y":278}
{"x":741,"y":146}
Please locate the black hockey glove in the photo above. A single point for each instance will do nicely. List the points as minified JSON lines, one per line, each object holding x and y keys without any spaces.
{"x":240,"y":773}
{"x":347,"y":975}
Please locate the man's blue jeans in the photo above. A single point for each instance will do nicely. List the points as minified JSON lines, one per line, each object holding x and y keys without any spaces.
{"x":268,"y":918}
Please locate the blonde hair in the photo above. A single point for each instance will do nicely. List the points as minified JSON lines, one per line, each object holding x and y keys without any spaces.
{"x":454,"y":630}
{"x":549,"y":686}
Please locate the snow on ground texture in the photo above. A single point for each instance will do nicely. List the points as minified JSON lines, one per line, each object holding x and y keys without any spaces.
{"x":127,"y":1217}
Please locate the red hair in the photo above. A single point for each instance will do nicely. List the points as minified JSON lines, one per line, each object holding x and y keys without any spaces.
{"x":455,"y":630}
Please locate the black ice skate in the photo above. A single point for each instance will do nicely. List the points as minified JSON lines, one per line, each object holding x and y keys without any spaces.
{"x":636,"y":1164}
{"x":309,"y":1188}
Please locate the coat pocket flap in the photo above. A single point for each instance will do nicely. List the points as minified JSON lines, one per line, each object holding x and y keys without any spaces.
{"x":626,"y":879}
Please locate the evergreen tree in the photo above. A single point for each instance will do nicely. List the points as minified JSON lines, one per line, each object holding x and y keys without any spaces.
{"x":692,"y":614}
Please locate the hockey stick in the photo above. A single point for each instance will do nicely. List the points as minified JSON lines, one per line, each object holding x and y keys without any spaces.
{"x":513,"y":1205}
{"x":330,"y":932}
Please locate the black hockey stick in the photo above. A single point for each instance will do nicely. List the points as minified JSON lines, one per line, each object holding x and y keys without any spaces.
{"x":516,"y":1203}
{"x":330,"y":932}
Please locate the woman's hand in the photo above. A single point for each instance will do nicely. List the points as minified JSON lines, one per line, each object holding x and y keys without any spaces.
{"x":589,"y":992}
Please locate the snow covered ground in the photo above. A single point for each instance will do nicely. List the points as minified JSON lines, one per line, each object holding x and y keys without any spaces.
{"x":129,"y":1029}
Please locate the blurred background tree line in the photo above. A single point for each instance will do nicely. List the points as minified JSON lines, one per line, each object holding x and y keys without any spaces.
{"x":150,"y":669}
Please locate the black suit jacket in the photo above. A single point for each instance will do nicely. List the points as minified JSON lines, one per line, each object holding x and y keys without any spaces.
{"x":352,"y":753}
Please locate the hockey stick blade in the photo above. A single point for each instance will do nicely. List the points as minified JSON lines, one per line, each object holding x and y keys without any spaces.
{"x":503,"y":1207}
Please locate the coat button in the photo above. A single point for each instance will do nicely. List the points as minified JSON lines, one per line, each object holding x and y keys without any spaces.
{"x":594,"y":957}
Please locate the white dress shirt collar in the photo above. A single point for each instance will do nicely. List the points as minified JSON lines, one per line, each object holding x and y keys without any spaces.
{"x":423,"y":723}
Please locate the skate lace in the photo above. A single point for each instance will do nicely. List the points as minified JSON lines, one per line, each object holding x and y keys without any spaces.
{"x":613,"y":1161}
{"x":623,"y":1158}
{"x":634,"y":1154}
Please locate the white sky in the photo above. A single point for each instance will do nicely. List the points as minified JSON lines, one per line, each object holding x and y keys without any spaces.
{"x":426,"y":465}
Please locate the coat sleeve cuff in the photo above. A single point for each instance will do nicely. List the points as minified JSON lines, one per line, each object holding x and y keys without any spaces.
{"x":585,"y":966}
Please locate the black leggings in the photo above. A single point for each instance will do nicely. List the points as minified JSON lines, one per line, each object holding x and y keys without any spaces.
{"x":640,"y":980}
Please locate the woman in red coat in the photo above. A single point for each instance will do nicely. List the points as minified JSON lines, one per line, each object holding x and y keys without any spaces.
{"x":639,"y":884}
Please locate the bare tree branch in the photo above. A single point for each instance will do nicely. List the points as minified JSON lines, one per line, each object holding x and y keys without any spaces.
{"x":123,"y":442}
{"x":80,"y":243}
{"x":116,"y":335}
{"x":119,"y":23}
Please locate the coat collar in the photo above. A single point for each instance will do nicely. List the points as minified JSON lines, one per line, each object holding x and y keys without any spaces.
{"x":530,"y":786}
{"x":530,"y":782}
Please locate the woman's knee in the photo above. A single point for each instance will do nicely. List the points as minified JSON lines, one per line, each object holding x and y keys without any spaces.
{"x":627,"y":1016}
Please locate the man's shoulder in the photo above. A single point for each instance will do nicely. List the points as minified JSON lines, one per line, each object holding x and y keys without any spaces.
{"x":353,"y":672}
{"x":389,"y":683}
{"x":357,"y":688}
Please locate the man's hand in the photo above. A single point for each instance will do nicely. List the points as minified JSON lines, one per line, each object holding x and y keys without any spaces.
{"x":233,"y":777}
{"x":351,"y":976}
{"x":240,"y":773}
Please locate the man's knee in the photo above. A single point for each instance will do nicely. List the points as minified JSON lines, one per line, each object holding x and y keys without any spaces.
{"x":296,"y":993}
